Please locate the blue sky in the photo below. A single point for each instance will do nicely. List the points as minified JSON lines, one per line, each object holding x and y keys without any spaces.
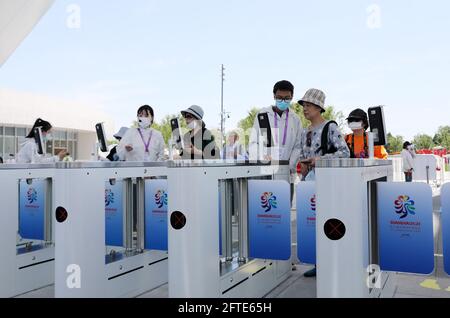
{"x":168,"y":54}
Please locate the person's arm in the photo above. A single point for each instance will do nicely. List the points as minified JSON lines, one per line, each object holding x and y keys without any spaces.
{"x":253,"y":144}
{"x":126,"y":140}
{"x":410,"y":161}
{"x":161,"y":144}
{"x":296,"y":151}
{"x":25,"y":153}
{"x":336,"y":139}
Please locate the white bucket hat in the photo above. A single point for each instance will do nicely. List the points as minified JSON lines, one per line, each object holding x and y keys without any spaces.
{"x":121,"y":133}
{"x":195,"y":111}
{"x":314,"y":96}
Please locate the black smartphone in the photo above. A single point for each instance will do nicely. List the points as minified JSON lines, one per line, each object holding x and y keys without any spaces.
{"x":39,"y":140}
{"x":265,"y":129}
{"x":176,"y":132}
{"x":101,"y":137}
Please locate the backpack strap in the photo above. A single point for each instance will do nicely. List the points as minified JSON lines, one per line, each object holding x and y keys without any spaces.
{"x":324,"y":149}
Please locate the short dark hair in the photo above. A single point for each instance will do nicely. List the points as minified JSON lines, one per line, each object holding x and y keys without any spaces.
{"x":40,"y":123}
{"x":147,"y":109}
{"x":283,"y":86}
{"x":406,"y":144}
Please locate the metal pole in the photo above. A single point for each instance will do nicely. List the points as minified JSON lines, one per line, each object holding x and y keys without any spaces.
{"x":129,"y":215}
{"x":48,"y":211}
{"x":140,"y":212}
{"x":243,"y":221}
{"x":222,"y":128}
{"x":226,"y":206}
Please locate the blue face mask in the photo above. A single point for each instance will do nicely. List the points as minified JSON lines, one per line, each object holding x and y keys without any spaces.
{"x":282,"y":105}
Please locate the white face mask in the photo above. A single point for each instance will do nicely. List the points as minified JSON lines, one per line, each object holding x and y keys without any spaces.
{"x":192,"y":125}
{"x":355,"y":125}
{"x":144,"y":122}
{"x":48,"y":137}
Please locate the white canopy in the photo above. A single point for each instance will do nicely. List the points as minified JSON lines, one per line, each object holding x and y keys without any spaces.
{"x":17,"y":19}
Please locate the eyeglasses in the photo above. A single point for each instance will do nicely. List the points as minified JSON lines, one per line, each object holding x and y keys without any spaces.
{"x":309,"y":139}
{"x":283,"y":99}
{"x":188,"y":116}
{"x":354,"y":120}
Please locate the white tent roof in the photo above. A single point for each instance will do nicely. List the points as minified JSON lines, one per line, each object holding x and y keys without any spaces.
{"x":17,"y":19}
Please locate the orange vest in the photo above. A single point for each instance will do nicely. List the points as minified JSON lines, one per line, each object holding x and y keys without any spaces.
{"x":360,"y":149}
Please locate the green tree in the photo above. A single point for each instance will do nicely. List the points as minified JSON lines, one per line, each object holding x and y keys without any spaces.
{"x":394,"y":144}
{"x":166,"y":129}
{"x":442,"y":137}
{"x":423,"y":141}
{"x":246,"y":124}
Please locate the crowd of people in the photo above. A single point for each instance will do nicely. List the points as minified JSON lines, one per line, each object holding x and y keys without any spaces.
{"x":300,"y":146}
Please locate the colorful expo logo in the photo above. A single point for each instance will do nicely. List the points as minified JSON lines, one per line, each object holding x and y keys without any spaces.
{"x":268,"y":201}
{"x":31,"y":195}
{"x":404,"y":206}
{"x":313,"y":203}
{"x":161,"y":198}
{"x":109,"y":197}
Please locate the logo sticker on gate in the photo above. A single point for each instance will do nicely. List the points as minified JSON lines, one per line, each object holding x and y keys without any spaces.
{"x":31,"y":195}
{"x":268,"y":201}
{"x":313,"y":203}
{"x":161,"y":198}
{"x":109,"y":197}
{"x":405,"y":206}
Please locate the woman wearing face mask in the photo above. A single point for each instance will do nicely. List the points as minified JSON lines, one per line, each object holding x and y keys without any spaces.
{"x":198,"y":142}
{"x":358,"y":142}
{"x":143,"y":143}
{"x":28,"y":152}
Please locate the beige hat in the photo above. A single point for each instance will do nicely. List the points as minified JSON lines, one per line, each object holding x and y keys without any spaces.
{"x":314,"y":96}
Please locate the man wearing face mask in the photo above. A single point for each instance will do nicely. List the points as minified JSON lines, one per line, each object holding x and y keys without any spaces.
{"x":285,"y":125}
{"x":408,"y":154}
{"x":143,"y":143}
{"x":358,"y":141}
{"x":199,"y":142}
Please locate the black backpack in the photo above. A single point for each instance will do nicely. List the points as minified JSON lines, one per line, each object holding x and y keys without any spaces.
{"x":324,"y":149}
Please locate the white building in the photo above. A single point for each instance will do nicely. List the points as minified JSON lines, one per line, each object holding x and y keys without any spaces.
{"x":73,"y":123}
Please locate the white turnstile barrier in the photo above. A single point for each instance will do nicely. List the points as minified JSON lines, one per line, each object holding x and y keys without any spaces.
{"x":26,"y":222}
{"x":195,"y":266}
{"x":347,"y":242}
{"x":112,"y":255}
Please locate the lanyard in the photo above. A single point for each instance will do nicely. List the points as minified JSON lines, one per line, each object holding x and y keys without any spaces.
{"x":285,"y":126}
{"x":366,"y":155}
{"x":146,"y":144}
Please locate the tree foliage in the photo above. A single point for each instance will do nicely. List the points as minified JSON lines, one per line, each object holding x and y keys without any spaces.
{"x":394,"y":144}
{"x":423,"y":141}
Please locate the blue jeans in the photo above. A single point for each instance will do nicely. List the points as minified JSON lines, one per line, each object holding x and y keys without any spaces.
{"x":408,"y":176}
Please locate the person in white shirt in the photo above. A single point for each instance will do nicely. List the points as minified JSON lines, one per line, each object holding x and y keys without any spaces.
{"x":285,"y":125}
{"x":233,"y":149}
{"x":143,"y":143}
{"x":28,"y":152}
{"x":408,"y":155}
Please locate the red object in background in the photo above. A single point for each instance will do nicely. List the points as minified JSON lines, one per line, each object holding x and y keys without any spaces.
{"x":437,"y":152}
